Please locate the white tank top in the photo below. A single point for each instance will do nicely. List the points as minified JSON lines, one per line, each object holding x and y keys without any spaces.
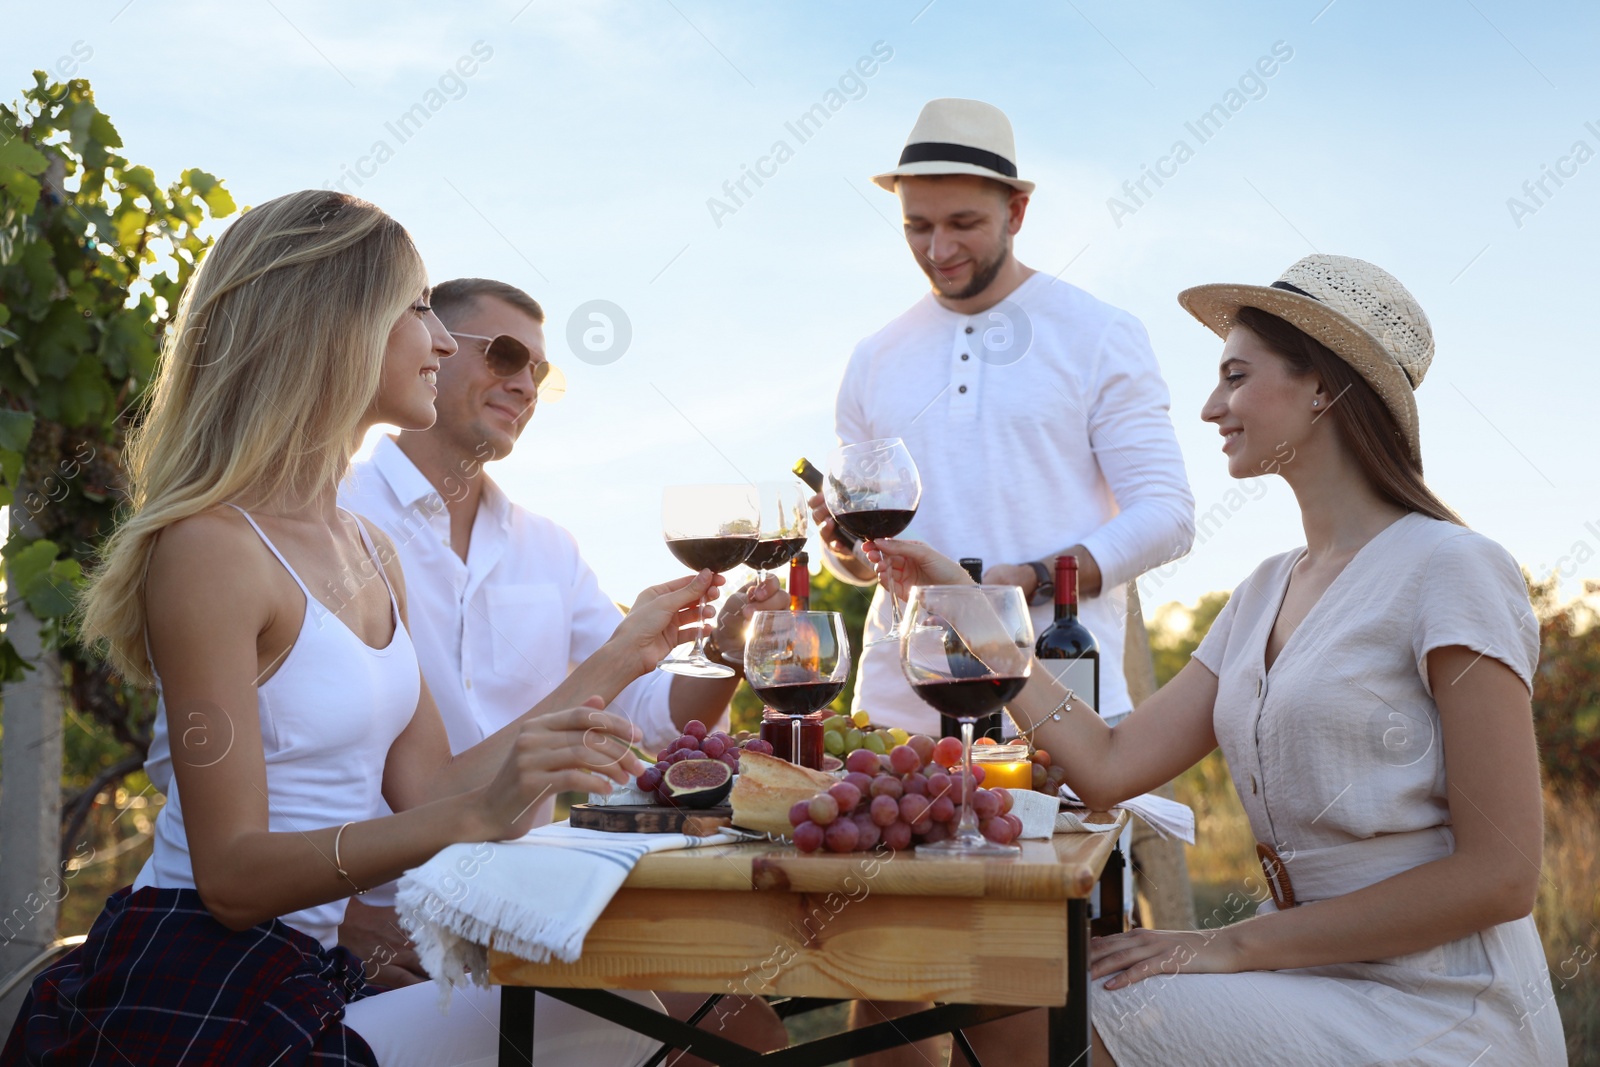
{"x":328,"y":716}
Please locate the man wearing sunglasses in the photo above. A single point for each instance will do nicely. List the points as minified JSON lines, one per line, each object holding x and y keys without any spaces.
{"x":502,"y":605}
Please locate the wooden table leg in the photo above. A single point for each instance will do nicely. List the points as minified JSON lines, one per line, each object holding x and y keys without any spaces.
{"x":516,"y":1026}
{"x":1069,"y":1024}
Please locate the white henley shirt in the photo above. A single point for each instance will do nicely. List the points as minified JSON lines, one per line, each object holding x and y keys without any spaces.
{"x":1038,"y":424}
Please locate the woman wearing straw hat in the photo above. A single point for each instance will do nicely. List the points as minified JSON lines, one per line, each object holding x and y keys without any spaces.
{"x":1371,"y":692}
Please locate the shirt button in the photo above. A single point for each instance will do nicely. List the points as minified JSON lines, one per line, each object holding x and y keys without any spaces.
{"x":965,"y":356}
{"x":962,"y":389}
{"x":469,"y":683}
{"x":969,"y":330}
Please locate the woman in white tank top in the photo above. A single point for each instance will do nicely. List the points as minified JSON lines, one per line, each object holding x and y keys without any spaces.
{"x":274,"y":625}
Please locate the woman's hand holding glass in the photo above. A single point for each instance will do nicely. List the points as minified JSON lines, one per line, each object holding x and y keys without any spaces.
{"x":904,"y":564}
{"x":664,"y":617}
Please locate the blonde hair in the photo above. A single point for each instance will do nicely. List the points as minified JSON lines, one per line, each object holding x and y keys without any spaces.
{"x":275,"y":356}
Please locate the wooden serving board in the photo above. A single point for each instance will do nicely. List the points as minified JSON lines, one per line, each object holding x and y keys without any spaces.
{"x":650,"y":819}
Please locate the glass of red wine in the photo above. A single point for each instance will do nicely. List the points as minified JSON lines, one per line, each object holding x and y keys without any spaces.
{"x":797,"y":663}
{"x":967,"y":650}
{"x":784,"y":522}
{"x":873,"y":489}
{"x":708,"y":527}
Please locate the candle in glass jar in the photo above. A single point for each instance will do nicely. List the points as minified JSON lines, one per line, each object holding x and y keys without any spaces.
{"x":1004,"y":766}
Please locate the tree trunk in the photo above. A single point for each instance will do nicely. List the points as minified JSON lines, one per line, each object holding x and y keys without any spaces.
{"x":1166,"y":901}
{"x":30,"y":798}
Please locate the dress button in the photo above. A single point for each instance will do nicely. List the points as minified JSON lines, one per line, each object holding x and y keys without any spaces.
{"x":962,"y":389}
{"x":969,"y":329}
{"x":965,"y":356}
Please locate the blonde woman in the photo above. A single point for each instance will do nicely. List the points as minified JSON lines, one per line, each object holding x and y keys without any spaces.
{"x":288,"y":716}
{"x":1371,"y":692}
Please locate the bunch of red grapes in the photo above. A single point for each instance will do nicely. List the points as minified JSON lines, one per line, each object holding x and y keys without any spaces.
{"x":1047,"y":778}
{"x":697,"y":742}
{"x":909,"y":796}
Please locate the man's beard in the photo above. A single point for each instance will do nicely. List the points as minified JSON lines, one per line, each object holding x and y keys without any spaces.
{"x":983,"y":275}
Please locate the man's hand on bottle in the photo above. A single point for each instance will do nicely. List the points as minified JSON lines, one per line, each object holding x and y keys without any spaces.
{"x":827,"y":529}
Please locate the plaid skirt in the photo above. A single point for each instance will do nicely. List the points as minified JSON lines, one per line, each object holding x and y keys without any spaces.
{"x":159,"y":981}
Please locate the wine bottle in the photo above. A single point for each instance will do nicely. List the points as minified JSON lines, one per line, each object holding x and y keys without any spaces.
{"x":800,"y":582}
{"x":809,"y":474}
{"x":974,"y":567}
{"x":1066,"y":648}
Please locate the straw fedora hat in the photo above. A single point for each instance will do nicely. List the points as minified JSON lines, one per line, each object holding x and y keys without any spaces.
{"x":1361,"y":312}
{"x":958,"y":137}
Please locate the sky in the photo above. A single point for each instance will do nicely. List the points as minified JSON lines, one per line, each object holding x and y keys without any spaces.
{"x":576,"y":150}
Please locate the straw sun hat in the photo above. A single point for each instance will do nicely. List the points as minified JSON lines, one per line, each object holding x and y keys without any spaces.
{"x":1359,"y":311}
{"x":958,"y":137}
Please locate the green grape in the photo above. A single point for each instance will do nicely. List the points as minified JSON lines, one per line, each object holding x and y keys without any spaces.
{"x":854,"y":739}
{"x":833,"y":742}
{"x":874,"y":743}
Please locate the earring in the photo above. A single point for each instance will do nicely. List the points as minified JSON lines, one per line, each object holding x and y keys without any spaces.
{"x":1316,"y":403}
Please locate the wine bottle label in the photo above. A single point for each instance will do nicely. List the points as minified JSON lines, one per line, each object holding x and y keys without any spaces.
{"x":1082,"y":676}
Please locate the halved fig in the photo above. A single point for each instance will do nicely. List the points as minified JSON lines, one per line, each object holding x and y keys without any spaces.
{"x":696,"y":783}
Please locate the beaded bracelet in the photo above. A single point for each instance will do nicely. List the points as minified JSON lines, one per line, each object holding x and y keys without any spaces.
{"x":1054,"y":716}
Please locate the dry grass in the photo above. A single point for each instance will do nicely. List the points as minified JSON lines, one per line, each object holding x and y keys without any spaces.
{"x":1567,"y":911}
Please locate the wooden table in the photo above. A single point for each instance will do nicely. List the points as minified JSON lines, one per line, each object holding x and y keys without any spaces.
{"x":982,"y":938}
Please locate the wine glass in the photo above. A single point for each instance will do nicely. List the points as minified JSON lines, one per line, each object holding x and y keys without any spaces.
{"x":967,"y":650}
{"x":708,"y":527}
{"x":784,"y":522}
{"x":873,"y":489}
{"x":797,"y":663}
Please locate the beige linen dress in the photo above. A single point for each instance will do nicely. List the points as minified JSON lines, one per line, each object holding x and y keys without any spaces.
{"x":1337,"y":755}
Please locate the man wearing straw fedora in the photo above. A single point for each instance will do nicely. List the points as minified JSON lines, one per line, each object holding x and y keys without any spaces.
{"x":1036,"y":414}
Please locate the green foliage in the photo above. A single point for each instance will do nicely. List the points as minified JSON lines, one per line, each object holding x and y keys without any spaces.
{"x":1178,"y":631}
{"x":1566,"y":690}
{"x":827,"y":594}
{"x":94,"y":254}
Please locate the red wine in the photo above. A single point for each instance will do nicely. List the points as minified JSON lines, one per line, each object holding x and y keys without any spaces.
{"x":800,"y":698}
{"x":800,"y":583}
{"x":774,"y":552}
{"x":711,"y":553}
{"x":991,"y":725}
{"x":879,"y":522}
{"x":813,"y":478}
{"x":777,"y":730}
{"x":969,"y":698}
{"x":1066,"y":648}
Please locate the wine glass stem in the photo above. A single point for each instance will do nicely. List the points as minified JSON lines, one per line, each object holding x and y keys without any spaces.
{"x":794,"y":740}
{"x":968,"y":827}
{"x":700,"y":638}
{"x":894,"y":609}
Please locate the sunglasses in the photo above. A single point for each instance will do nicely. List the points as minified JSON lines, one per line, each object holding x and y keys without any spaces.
{"x":507,"y":356}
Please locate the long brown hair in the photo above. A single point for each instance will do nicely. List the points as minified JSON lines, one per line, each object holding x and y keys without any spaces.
{"x":1360,"y":417}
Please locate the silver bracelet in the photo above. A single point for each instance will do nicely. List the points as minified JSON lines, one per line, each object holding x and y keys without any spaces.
{"x":1054,"y":716}
{"x":338,"y":865}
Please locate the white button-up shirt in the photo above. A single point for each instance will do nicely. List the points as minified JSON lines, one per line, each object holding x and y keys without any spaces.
{"x":1022,"y":454}
{"x":498,"y":631}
